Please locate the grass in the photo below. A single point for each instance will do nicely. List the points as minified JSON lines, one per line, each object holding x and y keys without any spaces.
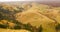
{"x":9,"y":30}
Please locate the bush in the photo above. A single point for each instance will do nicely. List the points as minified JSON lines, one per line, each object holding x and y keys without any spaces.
{"x":28,"y":27}
{"x":3,"y":26}
{"x":58,"y":27}
{"x":40,"y":28}
{"x":17,"y":27}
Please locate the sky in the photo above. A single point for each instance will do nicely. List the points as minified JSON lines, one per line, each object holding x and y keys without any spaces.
{"x":26,"y":0}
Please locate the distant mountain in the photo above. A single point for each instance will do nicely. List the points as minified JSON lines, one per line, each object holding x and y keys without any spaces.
{"x":47,"y":2}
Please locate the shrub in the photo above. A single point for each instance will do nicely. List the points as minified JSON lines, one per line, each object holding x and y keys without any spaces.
{"x":17,"y":27}
{"x":28,"y":27}
{"x":3,"y":26}
{"x":40,"y":28}
{"x":58,"y":27}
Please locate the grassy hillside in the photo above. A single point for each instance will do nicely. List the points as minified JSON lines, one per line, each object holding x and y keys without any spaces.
{"x":33,"y":17}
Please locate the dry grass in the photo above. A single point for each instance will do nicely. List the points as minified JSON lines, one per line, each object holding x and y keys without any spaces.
{"x":9,"y":30}
{"x":36,"y":15}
